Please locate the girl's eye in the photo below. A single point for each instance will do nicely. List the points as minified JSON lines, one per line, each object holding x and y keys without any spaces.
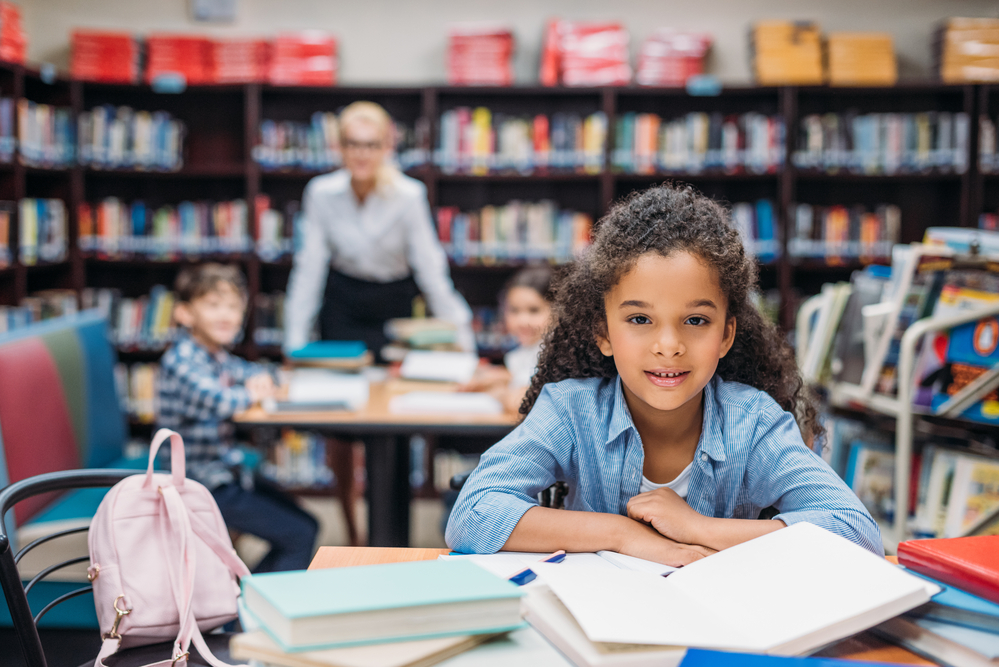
{"x":639,"y":319}
{"x":697,"y":321}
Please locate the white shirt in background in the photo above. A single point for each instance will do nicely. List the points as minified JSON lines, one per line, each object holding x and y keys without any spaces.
{"x":679,"y":484}
{"x":522,"y":362}
{"x":388,"y":237}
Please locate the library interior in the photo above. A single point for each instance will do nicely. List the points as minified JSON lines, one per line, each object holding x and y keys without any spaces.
{"x":398,"y":334}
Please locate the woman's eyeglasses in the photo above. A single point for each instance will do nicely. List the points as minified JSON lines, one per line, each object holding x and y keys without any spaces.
{"x":352,"y":145}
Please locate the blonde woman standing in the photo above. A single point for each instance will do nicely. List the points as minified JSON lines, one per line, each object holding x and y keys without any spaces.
{"x":369,"y":245}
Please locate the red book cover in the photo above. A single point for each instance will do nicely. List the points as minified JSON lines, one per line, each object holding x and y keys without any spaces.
{"x":969,"y":563}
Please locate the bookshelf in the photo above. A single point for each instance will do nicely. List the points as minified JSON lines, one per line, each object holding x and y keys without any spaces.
{"x":223,"y":123}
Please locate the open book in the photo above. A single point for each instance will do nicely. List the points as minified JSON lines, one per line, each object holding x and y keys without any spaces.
{"x":785,"y":593}
{"x":506,"y":563}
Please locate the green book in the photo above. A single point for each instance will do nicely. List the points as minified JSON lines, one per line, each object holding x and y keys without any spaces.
{"x":307,"y":610}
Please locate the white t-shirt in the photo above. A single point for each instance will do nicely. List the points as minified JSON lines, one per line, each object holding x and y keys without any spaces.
{"x":679,"y":484}
{"x":522,"y":362}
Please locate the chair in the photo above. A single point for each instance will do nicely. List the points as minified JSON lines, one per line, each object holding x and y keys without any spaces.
{"x":16,"y":593}
{"x":553,"y":496}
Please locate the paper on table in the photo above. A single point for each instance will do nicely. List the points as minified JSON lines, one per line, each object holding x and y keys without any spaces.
{"x":317,"y":385}
{"x":626,"y":562}
{"x":507,"y":563}
{"x":747,"y":597}
{"x":445,"y":402}
{"x":439,"y":366}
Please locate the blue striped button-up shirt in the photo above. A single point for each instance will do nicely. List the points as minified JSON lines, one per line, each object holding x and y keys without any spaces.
{"x":750,"y":456}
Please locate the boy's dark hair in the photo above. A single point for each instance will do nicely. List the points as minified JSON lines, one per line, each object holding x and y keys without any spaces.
{"x":665,"y":220}
{"x":200,"y":279}
{"x":537,"y":277}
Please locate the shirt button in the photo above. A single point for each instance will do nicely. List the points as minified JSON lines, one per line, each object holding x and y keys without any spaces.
{"x":704,"y":457}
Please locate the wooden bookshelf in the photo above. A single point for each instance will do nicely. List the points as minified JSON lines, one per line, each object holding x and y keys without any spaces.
{"x":222,"y":128}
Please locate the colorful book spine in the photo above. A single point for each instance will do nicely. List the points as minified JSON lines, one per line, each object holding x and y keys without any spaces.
{"x":268,"y":319}
{"x":122,"y":138}
{"x":136,"y":384}
{"x":298,"y":459}
{"x":278,"y":232}
{"x":45,"y":135}
{"x":837,"y":234}
{"x":884,"y":143}
{"x":516,"y":232}
{"x":646,"y":143}
{"x":479,"y":142}
{"x":143,"y":323}
{"x":113,"y":229}
{"x":43,"y":233}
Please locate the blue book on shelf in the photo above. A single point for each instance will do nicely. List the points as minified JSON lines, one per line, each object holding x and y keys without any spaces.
{"x":330,"y":349}
{"x":952,"y":605}
{"x":766,"y":241}
{"x":306,"y":610}
{"x":704,"y":658}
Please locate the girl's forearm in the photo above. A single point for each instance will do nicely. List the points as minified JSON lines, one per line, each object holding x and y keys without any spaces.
{"x":724,"y":533}
{"x":546,"y":529}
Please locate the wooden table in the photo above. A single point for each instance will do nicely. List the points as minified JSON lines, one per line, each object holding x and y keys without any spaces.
{"x":386,"y":446}
{"x":863,"y":646}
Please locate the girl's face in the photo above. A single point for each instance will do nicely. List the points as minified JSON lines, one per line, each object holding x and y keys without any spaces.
{"x":527,"y":315}
{"x":666,"y":329}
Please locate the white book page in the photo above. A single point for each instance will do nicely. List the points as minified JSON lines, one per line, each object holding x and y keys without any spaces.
{"x":317,"y":385}
{"x":445,"y":402}
{"x":439,"y":366}
{"x":626,"y":562}
{"x":508,"y":563}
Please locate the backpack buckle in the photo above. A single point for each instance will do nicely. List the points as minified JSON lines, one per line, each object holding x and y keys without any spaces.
{"x":183,"y":656}
{"x":120,"y":614}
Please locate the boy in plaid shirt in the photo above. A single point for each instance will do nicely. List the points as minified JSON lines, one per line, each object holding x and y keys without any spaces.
{"x":201,"y":387}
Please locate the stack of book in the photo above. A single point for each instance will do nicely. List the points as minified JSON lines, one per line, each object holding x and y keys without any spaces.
{"x":137,"y":393}
{"x":106,"y":57}
{"x":786,"y":53}
{"x":862,"y":59}
{"x":278,"y":232}
{"x":967,"y":50}
{"x":6,"y":227}
{"x":45,"y":134}
{"x":644,"y":143}
{"x":476,"y":141}
{"x":757,"y":225}
{"x":268,"y":319}
{"x":43,"y":232}
{"x":586,"y":54}
{"x":517,"y":232}
{"x":837,"y":234}
{"x":885,"y":143}
{"x":121,"y":138}
{"x":240,"y":60}
{"x":988,"y":157}
{"x":13,"y":39}
{"x":143,"y":323}
{"x":114,"y":229}
{"x":669,"y":57}
{"x":298,"y":460}
{"x":480,"y":56}
{"x":415,"y":613}
{"x":960,"y":624}
{"x":187,"y":57}
{"x":306,"y":58}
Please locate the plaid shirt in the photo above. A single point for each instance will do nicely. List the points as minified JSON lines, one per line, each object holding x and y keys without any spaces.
{"x":198,"y":395}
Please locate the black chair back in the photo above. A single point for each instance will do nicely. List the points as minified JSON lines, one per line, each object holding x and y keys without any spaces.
{"x":16,"y":593}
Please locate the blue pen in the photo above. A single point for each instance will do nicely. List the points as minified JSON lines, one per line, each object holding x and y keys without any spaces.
{"x":527,"y":575}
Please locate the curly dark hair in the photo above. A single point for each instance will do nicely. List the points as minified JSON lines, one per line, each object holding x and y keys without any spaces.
{"x":667,"y":219}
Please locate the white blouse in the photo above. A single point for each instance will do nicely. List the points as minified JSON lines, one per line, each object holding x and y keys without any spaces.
{"x":388,"y":237}
{"x":679,"y":484}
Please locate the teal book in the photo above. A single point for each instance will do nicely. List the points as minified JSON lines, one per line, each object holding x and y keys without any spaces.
{"x":952,"y":605}
{"x":704,"y":658}
{"x":308,"y":610}
{"x":330,"y":349}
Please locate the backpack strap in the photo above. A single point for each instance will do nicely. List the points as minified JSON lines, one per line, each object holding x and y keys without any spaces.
{"x":177,"y":462}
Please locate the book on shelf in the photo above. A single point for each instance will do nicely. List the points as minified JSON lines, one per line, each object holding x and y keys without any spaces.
{"x":758,"y":228}
{"x":884,"y":143}
{"x":861,"y":59}
{"x":480,"y":55}
{"x":516,"y":232}
{"x":8,"y":138}
{"x":786,"y":53}
{"x":279,"y":232}
{"x":479,"y":142}
{"x":308,"y":610}
{"x":988,"y":158}
{"x":304,"y":58}
{"x":43,"y":234}
{"x":239,"y":60}
{"x":184,"y":56}
{"x":6,"y":227}
{"x":143,"y":323}
{"x":971,"y":353}
{"x":268,"y":318}
{"x":815,"y":353}
{"x":137,"y":393}
{"x":645,"y":143}
{"x":121,"y":137}
{"x":104,"y":56}
{"x":447,"y":464}
{"x":298,"y":459}
{"x":668,"y":57}
{"x":13,"y":39}
{"x":46,"y":135}
{"x":581,"y":53}
{"x":42,"y":305}
{"x":113,"y":229}
{"x":964,"y":50}
{"x":837,"y":234}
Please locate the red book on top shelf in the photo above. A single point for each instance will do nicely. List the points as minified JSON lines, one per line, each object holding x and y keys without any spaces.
{"x":189,"y":56}
{"x":108,"y":57}
{"x":969,"y":563}
{"x":585,"y":54}
{"x":13,"y":40}
{"x":479,"y":55}
{"x":670,"y":57}
{"x":240,"y":60}
{"x":306,"y":58}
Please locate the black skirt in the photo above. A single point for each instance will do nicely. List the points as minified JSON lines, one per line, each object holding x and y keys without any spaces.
{"x":356,"y":309}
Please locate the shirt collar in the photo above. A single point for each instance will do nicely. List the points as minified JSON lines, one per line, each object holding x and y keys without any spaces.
{"x":712,"y":441}
{"x":198,"y":348}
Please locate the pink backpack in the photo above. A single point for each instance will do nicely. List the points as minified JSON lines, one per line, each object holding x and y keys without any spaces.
{"x":161,"y":562}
